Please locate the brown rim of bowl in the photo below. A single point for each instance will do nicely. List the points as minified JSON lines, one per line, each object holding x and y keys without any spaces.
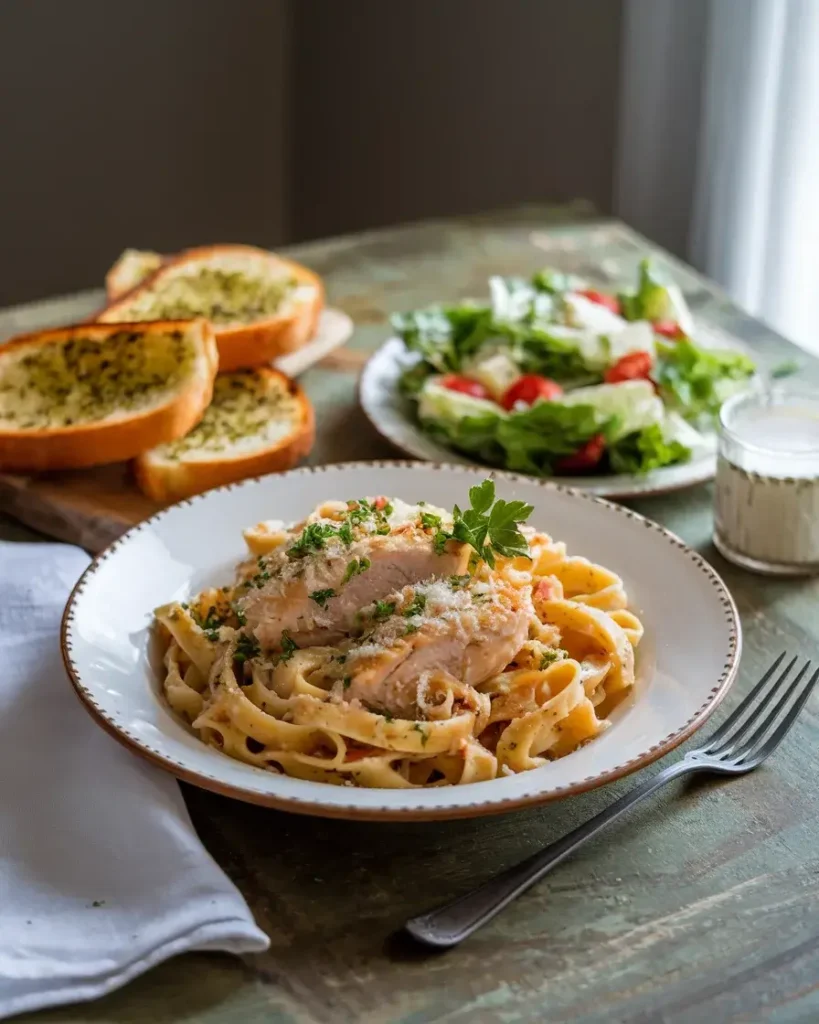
{"x":317,"y":809}
{"x":652,"y":491}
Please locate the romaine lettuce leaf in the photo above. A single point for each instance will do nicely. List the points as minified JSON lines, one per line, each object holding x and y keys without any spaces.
{"x":473,"y":435}
{"x":435,"y":402}
{"x":655,"y":300}
{"x":460,"y":421}
{"x":579,"y":311}
{"x":414,"y":377}
{"x":574,"y":356}
{"x":444,"y":335}
{"x":528,"y":441}
{"x":555,"y":353}
{"x":644,"y":450}
{"x":628,"y":407}
{"x":556,"y":281}
{"x":630,"y":416}
{"x":696,"y":381}
{"x":515,"y":301}
{"x":534,"y":438}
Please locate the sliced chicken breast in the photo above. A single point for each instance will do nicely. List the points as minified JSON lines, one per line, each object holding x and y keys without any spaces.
{"x":315,"y":583}
{"x":469,"y":629}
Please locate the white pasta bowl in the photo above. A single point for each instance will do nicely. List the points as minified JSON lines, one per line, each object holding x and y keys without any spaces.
{"x":686,"y":662}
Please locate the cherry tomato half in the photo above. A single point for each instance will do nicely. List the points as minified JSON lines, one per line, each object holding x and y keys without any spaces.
{"x":634,"y":366}
{"x":602,"y":299}
{"x":528,"y":389}
{"x":669,"y":329}
{"x":586,"y":457}
{"x":466,"y":386}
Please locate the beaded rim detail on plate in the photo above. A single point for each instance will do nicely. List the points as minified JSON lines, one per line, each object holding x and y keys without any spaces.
{"x":475,"y":809}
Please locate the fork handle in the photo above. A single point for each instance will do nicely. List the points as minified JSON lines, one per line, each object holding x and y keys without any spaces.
{"x":451,"y":923}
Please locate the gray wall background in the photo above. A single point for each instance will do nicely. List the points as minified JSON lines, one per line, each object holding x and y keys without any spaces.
{"x":166,"y":123}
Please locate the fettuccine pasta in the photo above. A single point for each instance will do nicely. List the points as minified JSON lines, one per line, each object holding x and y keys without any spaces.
{"x":417,"y":663}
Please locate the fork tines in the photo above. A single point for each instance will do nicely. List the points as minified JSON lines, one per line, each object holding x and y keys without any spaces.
{"x":751,"y":732}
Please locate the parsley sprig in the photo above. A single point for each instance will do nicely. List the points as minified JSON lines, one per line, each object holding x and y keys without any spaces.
{"x":289,"y":647}
{"x":247,"y":647}
{"x":490,"y":526}
{"x":355,"y":568}
{"x":210,"y":624}
{"x":550,"y":657}
{"x":416,"y":606}
{"x":383,"y":610}
{"x":313,"y":538}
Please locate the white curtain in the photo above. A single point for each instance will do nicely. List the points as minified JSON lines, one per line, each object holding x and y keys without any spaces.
{"x":732,"y":107}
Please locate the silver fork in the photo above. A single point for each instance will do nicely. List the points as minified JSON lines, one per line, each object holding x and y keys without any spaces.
{"x":744,"y":740}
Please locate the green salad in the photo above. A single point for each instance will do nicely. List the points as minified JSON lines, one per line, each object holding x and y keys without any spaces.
{"x":550,"y":376}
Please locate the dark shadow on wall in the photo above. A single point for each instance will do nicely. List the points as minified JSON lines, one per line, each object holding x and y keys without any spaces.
{"x":164,"y":124}
{"x":409,"y":110}
{"x":159,"y":123}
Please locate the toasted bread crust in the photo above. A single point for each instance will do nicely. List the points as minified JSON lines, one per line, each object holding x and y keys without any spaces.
{"x":119,"y":279}
{"x":165,"y":481}
{"x":93,"y":444}
{"x":243,"y":346}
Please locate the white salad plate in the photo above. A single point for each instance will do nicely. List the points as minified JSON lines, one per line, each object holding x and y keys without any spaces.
{"x":393,"y":416}
{"x":685,"y":663}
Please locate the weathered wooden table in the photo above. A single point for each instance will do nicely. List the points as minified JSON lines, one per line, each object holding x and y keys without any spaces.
{"x":702,"y":907}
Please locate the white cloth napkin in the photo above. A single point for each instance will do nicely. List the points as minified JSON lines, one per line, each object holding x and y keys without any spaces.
{"x":101,"y":872}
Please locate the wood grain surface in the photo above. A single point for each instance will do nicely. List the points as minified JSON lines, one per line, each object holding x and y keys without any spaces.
{"x":701,"y":907}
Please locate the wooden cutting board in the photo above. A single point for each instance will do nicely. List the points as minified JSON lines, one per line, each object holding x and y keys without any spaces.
{"x":92,"y":507}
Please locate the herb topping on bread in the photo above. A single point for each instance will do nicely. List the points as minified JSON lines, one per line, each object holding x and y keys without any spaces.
{"x":258,"y":422}
{"x":261,"y":305}
{"x":96,"y":393}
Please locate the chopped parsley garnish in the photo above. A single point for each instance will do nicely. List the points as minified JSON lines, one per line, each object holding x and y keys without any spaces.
{"x":430,"y":521}
{"x":418,"y":604}
{"x":247,"y":647}
{"x":359,"y":511}
{"x":355,"y":568}
{"x":459,"y":581}
{"x":321,"y":597}
{"x":490,"y":526}
{"x":262,"y":576}
{"x":550,"y":657}
{"x":346,"y":682}
{"x":313,"y":538}
{"x":411,"y":628}
{"x":383,"y":610}
{"x":345,"y":534}
{"x":209,"y":625}
{"x":240,"y":616}
{"x":289,"y":647}
{"x":387,"y":714}
{"x":423,"y":733}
